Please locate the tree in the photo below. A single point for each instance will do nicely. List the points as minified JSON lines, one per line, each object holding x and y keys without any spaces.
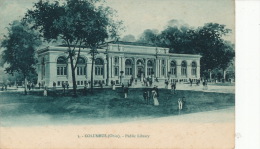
{"x":19,"y":50}
{"x":177,"y":39}
{"x":78,"y":23}
{"x":129,"y":38}
{"x":149,"y":36}
{"x":208,"y":41}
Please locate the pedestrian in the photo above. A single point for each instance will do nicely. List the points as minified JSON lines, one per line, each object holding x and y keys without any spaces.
{"x":54,"y":85}
{"x":145,"y":95}
{"x":67,"y":85}
{"x":45,"y":91}
{"x":155,"y":97}
{"x":63,"y":86}
{"x":113,"y":85}
{"x":180,"y":104}
{"x":39,"y":85}
{"x":123,"y":85}
{"x":135,"y":81}
{"x":126,"y":91}
{"x":204,"y":85}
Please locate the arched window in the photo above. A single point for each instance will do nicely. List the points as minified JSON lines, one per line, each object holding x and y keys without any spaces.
{"x":62,"y":66}
{"x":193,"y":68}
{"x":128,"y":67}
{"x":99,"y":67}
{"x":183,"y":68}
{"x":116,"y":66}
{"x":150,"y":67}
{"x":173,"y":68}
{"x":81,"y":67}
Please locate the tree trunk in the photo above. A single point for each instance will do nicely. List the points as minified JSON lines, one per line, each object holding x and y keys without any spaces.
{"x":92,"y":72}
{"x":25,"y":85}
{"x":73,"y":76}
{"x":224,"y":75}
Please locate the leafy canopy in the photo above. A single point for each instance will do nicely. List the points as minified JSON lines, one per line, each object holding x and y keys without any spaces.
{"x":19,"y":49}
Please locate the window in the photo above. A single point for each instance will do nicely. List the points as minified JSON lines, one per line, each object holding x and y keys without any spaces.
{"x":128,"y":67}
{"x":81,"y":68}
{"x":116,"y":60}
{"x":173,"y":68}
{"x":116,"y":72}
{"x":163,"y":67}
{"x":150,"y":67}
{"x":163,"y":70}
{"x":99,"y":67}
{"x":61,"y":66}
{"x":193,"y":68}
{"x":183,"y":68}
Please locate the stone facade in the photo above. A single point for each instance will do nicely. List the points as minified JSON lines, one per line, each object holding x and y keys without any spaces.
{"x":118,"y":61}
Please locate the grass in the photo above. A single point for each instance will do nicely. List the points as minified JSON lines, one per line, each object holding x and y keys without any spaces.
{"x":105,"y":103}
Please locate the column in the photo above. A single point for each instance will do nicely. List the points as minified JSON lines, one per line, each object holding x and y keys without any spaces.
{"x":198,"y":72}
{"x":89,"y":69}
{"x":145,"y":68}
{"x":135,"y":73}
{"x":105,"y":69}
{"x":178,"y":63}
{"x":189,"y":69}
{"x":166,"y":68}
{"x":123,"y":65}
{"x":109,"y":68}
{"x":112,"y":67}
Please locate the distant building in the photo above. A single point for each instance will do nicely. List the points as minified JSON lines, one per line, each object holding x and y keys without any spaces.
{"x":117,"y":61}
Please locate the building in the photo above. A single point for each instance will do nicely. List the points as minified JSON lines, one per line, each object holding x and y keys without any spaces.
{"x":117,"y":61}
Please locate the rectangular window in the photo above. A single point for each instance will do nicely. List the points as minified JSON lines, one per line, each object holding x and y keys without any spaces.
{"x":173,"y":71}
{"x":149,"y":71}
{"x":128,"y":71}
{"x":78,"y":83}
{"x":116,"y":72}
{"x":58,"y":83}
{"x":65,"y":70}
{"x":163,"y":70}
{"x":99,"y":71}
{"x":194,"y":71}
{"x":183,"y":71}
{"x":58,"y":70}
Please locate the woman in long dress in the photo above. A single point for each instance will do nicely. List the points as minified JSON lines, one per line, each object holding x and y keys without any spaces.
{"x":155,"y":100}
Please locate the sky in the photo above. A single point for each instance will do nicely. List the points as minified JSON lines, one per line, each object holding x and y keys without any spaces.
{"x":139,"y":15}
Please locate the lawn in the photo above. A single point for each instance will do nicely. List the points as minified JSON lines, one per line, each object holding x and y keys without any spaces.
{"x":105,"y":103}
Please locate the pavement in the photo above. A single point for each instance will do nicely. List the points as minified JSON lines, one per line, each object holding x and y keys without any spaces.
{"x":212,"y":87}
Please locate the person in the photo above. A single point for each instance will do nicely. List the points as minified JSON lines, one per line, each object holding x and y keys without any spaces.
{"x":180,"y":103}
{"x":145,"y":95}
{"x":54,"y":85}
{"x":126,"y":91}
{"x":190,"y":81}
{"x":45,"y":91}
{"x":157,"y":90}
{"x":29,"y":86}
{"x":135,"y":81}
{"x":174,"y":87}
{"x":155,"y":99}
{"x":184,"y":107}
{"x":123,"y":85}
{"x":39,"y":85}
{"x":113,"y":85}
{"x":85,"y":90}
{"x":63,"y":86}
{"x":67,"y":85}
{"x":204,"y":85}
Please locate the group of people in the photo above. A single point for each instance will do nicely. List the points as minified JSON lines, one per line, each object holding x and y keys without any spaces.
{"x":153,"y":93}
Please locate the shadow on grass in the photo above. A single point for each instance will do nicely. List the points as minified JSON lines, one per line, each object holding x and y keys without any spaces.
{"x":106,"y":103}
